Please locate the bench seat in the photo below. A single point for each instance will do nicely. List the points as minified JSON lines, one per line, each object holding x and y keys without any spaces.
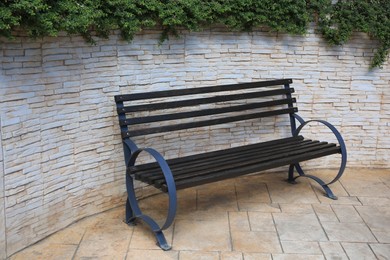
{"x":214,"y":166}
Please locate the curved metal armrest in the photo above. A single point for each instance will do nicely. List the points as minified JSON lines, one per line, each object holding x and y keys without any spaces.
{"x":130,"y":145}
{"x":168,"y":177}
{"x":129,"y":148}
{"x":337,"y":134}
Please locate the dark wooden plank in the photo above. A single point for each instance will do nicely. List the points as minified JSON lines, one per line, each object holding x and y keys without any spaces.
{"x":196,"y":161}
{"x":250,"y":161}
{"x":201,"y":101}
{"x":238,"y":149}
{"x":201,"y":166}
{"x":209,"y":122}
{"x":212,"y":161}
{"x":200,"y":90}
{"x":205,"y":112}
{"x":234,"y":172}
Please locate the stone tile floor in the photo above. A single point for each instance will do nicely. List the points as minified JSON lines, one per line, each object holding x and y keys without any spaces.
{"x":252,"y":217}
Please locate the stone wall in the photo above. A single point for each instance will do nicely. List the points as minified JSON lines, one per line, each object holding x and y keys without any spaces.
{"x":3,"y":249}
{"x":61,"y":156}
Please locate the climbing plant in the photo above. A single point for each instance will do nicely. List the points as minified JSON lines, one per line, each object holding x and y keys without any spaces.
{"x":336,"y":20}
{"x":339,"y":20}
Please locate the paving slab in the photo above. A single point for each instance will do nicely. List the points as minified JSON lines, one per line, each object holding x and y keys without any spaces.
{"x":233,"y":255}
{"x":260,"y":221}
{"x":296,"y":208}
{"x":254,"y":217}
{"x":377,"y":219}
{"x":362,"y":185}
{"x":325,"y":212}
{"x":256,"y":241}
{"x":358,"y":251}
{"x":47,"y":251}
{"x":250,"y":191}
{"x":152,"y":254}
{"x":333,"y":250}
{"x":381,"y":251}
{"x":300,"y":193}
{"x":206,"y":235}
{"x":261,"y":207}
{"x":257,"y":256}
{"x":300,"y":227}
{"x":347,"y":213}
{"x":239,"y":221}
{"x":296,"y":257}
{"x":198,"y":255}
{"x":348,"y":232}
{"x":301,"y":247}
{"x":221,"y":198}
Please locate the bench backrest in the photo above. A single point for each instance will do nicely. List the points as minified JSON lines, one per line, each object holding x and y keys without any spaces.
{"x":172,"y":110}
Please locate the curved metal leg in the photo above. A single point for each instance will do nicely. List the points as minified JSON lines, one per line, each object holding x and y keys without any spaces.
{"x":132,"y":208}
{"x":324,"y":185}
{"x":133,"y":212}
{"x":161,"y":241}
{"x":329,"y":192}
{"x":291,"y":178}
{"x":343,"y":148}
{"x":129,"y":217}
{"x":343,"y":151}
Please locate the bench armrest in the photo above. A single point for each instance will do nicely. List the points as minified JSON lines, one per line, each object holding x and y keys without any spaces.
{"x":337,"y":134}
{"x":168,"y":177}
{"x":130,"y":145}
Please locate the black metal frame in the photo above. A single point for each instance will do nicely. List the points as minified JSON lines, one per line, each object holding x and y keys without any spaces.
{"x":131,"y":150}
{"x":299,"y":169}
{"x":133,"y":211}
{"x":295,"y":132}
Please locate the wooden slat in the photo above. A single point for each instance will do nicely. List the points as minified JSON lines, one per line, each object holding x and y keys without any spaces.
{"x":238,"y":149}
{"x":205,"y":112}
{"x":211,"y":161}
{"x":201,"y":101}
{"x":210,"y":122}
{"x":251,"y":160}
{"x":234,"y":172}
{"x":197,"y":167}
{"x":191,"y":91}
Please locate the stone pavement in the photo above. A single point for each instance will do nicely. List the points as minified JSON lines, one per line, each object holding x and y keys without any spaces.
{"x":252,"y":217}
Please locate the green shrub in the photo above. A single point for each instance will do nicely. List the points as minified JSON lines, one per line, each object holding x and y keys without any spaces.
{"x":336,"y":21}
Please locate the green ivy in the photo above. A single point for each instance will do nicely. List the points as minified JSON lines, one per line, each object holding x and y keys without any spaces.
{"x":336,"y":20}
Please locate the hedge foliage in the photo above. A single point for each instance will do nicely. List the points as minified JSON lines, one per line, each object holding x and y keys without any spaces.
{"x":336,"y":21}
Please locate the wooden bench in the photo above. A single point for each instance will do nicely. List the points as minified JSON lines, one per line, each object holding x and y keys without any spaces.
{"x":150,"y":113}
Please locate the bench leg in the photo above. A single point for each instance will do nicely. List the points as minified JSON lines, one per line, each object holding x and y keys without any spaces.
{"x":291,"y":179}
{"x":129,"y":217}
{"x":343,"y":152}
{"x":133,"y":212}
{"x":161,"y":241}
